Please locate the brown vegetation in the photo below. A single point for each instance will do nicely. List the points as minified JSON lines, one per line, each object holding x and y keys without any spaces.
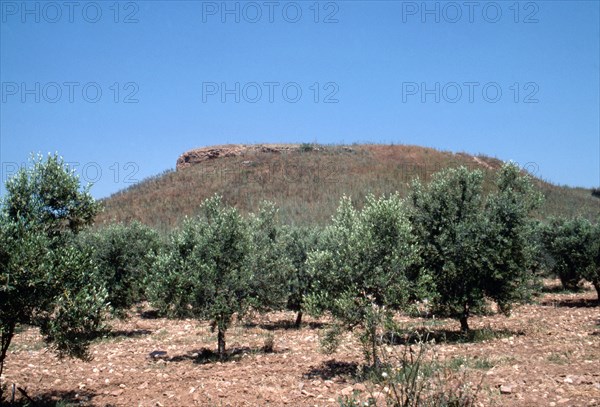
{"x":306,"y":181}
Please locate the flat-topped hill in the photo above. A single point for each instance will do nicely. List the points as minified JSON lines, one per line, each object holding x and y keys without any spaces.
{"x":306,"y":181}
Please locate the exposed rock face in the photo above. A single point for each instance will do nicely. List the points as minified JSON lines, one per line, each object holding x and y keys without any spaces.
{"x":200,"y":155}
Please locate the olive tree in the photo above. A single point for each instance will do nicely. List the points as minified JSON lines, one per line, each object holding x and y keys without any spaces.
{"x":448,"y":221}
{"x":269,"y":265}
{"x":592,"y":273}
{"x":45,"y":280}
{"x":473,"y":248}
{"x":47,"y":196}
{"x":360,"y":271}
{"x":512,"y":238}
{"x":124,"y":255}
{"x":204,"y":273}
{"x":573,"y":244}
{"x":299,"y":241}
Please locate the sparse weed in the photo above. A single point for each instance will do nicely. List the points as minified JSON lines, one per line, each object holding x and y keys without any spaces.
{"x":415,"y":378}
{"x":560,"y":358}
{"x":161,"y":334}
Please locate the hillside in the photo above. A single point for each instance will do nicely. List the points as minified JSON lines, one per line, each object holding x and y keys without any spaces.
{"x":306,"y":181}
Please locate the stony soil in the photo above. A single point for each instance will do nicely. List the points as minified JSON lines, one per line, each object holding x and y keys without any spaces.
{"x":545,"y":354}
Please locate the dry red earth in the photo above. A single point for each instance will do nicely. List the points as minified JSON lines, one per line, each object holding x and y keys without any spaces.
{"x":545,"y":354}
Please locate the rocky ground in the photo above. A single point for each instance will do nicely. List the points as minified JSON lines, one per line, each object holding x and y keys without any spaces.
{"x":545,"y":354}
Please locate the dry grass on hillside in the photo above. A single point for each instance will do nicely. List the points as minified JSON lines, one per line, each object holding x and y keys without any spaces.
{"x":308,"y":182}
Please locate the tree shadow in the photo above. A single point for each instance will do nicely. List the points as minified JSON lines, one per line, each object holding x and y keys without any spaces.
{"x":130,"y":333}
{"x":150,"y":314}
{"x":283,"y":324}
{"x":119,"y":334}
{"x":597,"y":331}
{"x":559,"y":289}
{"x":332,"y":368}
{"x":414,"y":336}
{"x":54,"y":398}
{"x":204,"y":355}
{"x":572,"y":303}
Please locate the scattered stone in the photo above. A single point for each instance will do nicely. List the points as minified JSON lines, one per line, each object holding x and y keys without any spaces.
{"x":360,"y":387}
{"x":158,"y":354}
{"x":307,"y":393}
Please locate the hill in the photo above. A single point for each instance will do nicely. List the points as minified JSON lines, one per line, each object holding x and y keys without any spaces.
{"x":306,"y":181}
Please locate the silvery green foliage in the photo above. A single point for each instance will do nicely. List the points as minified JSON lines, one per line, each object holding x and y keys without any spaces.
{"x":574,"y":245}
{"x":124,"y":255}
{"x":204,"y":273}
{"x":47,"y":195}
{"x":45,"y":280}
{"x":270,"y":266}
{"x":592,"y":273}
{"x":473,"y":248}
{"x":359,"y":273}
{"x":80,"y":298}
{"x":513,"y":244}
{"x":299,"y":242}
{"x":449,"y":222}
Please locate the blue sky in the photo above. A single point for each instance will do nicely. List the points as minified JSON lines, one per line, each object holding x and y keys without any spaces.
{"x":515,"y":80}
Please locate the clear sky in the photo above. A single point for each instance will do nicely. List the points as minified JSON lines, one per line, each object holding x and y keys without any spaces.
{"x":123,"y":88}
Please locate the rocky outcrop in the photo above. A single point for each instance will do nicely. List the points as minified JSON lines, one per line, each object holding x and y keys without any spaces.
{"x":200,"y":155}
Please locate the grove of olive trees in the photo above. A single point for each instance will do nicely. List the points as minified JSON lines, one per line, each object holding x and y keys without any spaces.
{"x":448,"y":244}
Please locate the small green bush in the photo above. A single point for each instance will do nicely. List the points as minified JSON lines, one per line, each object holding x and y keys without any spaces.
{"x":417,"y":378}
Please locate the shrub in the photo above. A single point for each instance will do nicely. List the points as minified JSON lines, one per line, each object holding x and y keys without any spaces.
{"x":417,"y":378}
{"x":306,"y":147}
